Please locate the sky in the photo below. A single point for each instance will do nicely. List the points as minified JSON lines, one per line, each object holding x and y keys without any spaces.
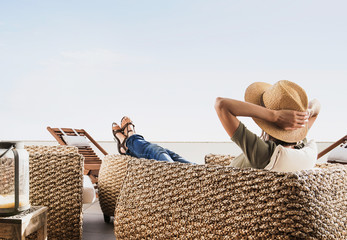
{"x":86,"y":64}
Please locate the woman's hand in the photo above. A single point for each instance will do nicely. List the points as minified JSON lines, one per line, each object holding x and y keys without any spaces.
{"x":314,"y":107}
{"x":291,"y":120}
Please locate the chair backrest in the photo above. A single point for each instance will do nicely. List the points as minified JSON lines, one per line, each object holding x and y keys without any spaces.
{"x":92,"y":162}
{"x":63,"y":198}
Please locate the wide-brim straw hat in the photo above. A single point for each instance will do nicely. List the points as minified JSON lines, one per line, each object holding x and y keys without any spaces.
{"x":282,"y":95}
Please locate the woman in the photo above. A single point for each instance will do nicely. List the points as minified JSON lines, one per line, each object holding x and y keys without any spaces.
{"x":281,"y":110}
{"x":130,"y":143}
{"x":283,"y":113}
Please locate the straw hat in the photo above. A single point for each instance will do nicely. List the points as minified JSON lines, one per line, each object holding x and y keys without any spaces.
{"x":282,"y":95}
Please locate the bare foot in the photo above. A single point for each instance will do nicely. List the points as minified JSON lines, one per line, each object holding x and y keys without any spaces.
{"x":120,"y":138}
{"x":127,"y":126}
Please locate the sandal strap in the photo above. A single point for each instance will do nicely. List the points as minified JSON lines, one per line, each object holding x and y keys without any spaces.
{"x":120,"y":144}
{"x":116,"y":131}
{"x":121,"y":122}
{"x":127,"y":125}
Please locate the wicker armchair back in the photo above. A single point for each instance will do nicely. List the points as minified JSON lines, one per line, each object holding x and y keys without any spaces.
{"x":112,"y":174}
{"x":111,"y":177}
{"x":161,"y":200}
{"x":56,"y":182}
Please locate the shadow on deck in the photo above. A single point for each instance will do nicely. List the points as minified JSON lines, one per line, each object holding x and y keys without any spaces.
{"x":94,"y":227}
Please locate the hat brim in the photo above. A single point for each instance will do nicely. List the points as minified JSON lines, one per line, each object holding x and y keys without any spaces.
{"x":253,"y":95}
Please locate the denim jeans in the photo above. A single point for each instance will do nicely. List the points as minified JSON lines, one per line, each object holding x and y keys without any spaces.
{"x":140,"y":148}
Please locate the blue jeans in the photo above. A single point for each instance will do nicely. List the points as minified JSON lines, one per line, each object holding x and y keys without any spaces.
{"x":140,"y":148}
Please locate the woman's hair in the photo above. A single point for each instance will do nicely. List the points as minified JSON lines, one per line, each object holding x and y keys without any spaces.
{"x":267,"y":137}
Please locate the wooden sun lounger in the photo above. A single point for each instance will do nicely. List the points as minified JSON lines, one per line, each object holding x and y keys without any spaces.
{"x":92,"y":162}
{"x":332,"y":146}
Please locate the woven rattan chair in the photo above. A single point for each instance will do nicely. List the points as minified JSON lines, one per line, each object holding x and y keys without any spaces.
{"x":92,"y":162}
{"x":159,"y":200}
{"x":56,"y":182}
{"x":111,"y":177}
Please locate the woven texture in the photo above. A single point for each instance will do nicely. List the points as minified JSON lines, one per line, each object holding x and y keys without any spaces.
{"x":111,"y":177}
{"x":7,"y":176}
{"x":218,"y":159}
{"x":180,"y":201}
{"x":51,"y":149}
{"x":114,"y":169}
{"x":56,"y":182}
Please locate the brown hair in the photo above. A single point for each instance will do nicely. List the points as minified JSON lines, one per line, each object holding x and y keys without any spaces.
{"x":267,"y":137}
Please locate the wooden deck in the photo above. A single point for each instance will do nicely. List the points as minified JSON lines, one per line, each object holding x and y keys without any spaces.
{"x":94,"y":226}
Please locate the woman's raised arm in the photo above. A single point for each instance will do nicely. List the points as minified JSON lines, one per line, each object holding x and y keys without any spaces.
{"x":228,"y":109}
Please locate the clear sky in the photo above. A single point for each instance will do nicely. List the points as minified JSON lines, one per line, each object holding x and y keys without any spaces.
{"x":85,"y":64}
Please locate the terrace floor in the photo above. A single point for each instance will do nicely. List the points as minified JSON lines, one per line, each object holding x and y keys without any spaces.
{"x":94,"y":227}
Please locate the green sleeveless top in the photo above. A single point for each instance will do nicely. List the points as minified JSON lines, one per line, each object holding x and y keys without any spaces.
{"x":256,"y":152}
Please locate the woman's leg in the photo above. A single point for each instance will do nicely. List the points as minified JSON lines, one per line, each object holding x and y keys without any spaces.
{"x":176,"y":157}
{"x":140,"y":148}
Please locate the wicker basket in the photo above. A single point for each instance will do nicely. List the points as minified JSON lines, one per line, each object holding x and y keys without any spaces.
{"x":161,"y":200}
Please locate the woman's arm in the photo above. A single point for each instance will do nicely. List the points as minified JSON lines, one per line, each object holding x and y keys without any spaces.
{"x":228,"y":109}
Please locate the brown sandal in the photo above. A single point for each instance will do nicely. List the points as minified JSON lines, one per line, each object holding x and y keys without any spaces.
{"x":125,"y":122}
{"x":121,"y":145}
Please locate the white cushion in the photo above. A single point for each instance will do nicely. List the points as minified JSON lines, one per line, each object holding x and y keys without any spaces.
{"x":78,"y":141}
{"x":88,"y":190}
{"x":339,"y":154}
{"x":290,"y":160}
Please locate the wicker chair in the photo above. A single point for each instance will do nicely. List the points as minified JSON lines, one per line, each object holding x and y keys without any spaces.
{"x":158,"y":200}
{"x":111,"y":177}
{"x":56,"y":182}
{"x":113,"y":171}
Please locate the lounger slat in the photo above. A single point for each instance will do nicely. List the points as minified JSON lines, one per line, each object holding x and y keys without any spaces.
{"x":92,"y":162}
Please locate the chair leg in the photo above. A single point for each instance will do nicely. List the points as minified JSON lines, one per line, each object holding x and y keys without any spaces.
{"x":107,"y":219}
